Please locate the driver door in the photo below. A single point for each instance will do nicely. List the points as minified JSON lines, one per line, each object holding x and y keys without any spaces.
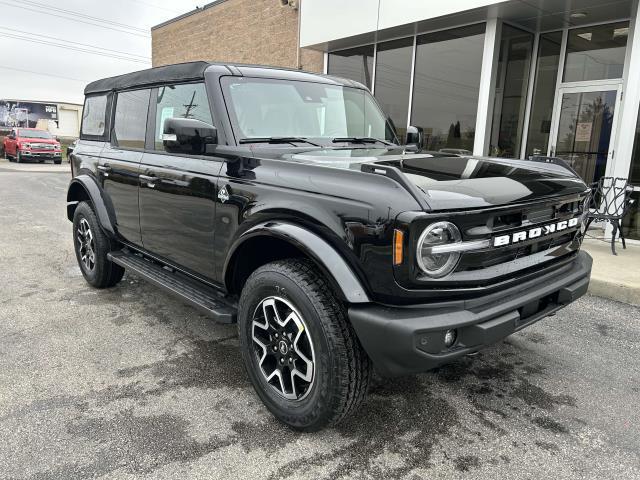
{"x":178,"y":191}
{"x":11,"y":142}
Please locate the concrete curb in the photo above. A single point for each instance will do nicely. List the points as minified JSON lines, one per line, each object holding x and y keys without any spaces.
{"x":614,"y":276}
{"x":605,"y":288}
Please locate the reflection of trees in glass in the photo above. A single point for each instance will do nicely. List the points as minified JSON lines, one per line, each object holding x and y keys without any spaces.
{"x":456,"y":138}
{"x":599,"y":115}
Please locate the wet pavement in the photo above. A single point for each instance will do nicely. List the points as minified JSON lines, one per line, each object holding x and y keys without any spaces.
{"x":128,"y":383}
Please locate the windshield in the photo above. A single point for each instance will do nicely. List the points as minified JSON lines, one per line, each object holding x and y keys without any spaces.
{"x":34,"y":134}
{"x":261,"y":107}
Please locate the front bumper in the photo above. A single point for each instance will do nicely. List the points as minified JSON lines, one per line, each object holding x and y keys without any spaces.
{"x":404,"y":340}
{"x":45,"y":155}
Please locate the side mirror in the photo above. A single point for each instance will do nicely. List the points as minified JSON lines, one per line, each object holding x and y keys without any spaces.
{"x":187,"y":135}
{"x":415,"y":137}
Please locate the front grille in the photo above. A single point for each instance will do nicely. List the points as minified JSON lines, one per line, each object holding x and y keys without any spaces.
{"x":510,"y":220}
{"x":41,"y":146}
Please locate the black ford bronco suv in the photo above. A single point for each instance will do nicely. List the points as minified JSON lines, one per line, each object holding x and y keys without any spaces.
{"x":281,"y":200}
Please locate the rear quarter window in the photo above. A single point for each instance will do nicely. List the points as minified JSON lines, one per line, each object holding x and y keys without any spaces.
{"x":94,"y":116}
{"x":130,"y":119}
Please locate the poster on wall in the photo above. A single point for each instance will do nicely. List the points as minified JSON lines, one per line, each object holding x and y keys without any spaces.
{"x":26,"y":114}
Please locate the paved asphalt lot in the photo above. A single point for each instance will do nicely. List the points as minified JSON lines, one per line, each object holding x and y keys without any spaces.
{"x":128,"y":383}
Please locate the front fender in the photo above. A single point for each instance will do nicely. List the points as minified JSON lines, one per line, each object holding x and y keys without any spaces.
{"x":315,"y":247}
{"x":84,"y":187}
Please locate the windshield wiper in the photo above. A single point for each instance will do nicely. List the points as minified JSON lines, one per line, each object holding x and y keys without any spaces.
{"x":360,"y":140}
{"x":277,"y":140}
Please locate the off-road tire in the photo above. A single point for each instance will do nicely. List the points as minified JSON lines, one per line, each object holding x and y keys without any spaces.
{"x":104,"y":273}
{"x":342,"y":369}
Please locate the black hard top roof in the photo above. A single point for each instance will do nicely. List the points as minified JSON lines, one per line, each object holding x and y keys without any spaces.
{"x":182,"y":72}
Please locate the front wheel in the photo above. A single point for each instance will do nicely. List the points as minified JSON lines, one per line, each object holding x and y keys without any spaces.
{"x":301,"y":353}
{"x":18,"y":157}
{"x":92,"y":246}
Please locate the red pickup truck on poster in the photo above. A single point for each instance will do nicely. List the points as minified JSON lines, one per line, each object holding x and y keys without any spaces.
{"x":31,"y":144}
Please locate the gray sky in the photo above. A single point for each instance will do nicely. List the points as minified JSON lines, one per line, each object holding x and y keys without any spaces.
{"x":117,"y":31}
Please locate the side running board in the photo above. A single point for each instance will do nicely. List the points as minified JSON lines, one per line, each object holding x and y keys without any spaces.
{"x":206,"y":299}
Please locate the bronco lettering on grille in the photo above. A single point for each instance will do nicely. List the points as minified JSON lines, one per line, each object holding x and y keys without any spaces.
{"x":536,"y":232}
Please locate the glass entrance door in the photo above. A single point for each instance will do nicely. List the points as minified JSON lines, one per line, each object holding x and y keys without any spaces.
{"x":584,"y":128}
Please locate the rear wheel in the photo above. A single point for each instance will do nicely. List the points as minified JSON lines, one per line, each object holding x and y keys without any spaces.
{"x":302,"y":355}
{"x":91,"y":247}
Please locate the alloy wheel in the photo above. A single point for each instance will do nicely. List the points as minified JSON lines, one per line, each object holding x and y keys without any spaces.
{"x":86,"y":244}
{"x":283,"y":347}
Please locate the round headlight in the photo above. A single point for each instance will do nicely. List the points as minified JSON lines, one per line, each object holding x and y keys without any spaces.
{"x":437,"y":262}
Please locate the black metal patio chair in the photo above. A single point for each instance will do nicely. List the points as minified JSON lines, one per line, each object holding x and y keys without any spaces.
{"x":610,"y":202}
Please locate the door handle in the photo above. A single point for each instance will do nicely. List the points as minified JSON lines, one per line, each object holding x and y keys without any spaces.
{"x":149,"y":180}
{"x":105,"y":169}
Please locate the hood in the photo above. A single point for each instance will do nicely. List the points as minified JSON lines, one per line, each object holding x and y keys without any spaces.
{"x":456,"y":182}
{"x":37,"y":140}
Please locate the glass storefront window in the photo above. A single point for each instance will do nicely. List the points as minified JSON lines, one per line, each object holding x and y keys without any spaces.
{"x":632,"y":220}
{"x":354,"y":64}
{"x":393,"y":77}
{"x":544,"y":90}
{"x":512,"y":81}
{"x":596,"y":53}
{"x":447,"y":81}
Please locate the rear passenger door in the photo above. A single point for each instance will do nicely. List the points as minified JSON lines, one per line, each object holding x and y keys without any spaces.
{"x":120,"y":160}
{"x":178,"y":191}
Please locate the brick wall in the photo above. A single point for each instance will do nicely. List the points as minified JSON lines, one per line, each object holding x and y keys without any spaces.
{"x":242,"y":31}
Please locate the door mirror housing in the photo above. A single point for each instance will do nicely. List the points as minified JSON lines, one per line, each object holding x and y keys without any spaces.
{"x":188,"y":136}
{"x":415,"y":137}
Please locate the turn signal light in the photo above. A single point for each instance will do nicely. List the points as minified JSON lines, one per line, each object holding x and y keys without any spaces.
{"x":398,"y":246}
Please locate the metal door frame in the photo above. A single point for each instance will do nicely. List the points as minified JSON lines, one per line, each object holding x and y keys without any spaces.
{"x":587,"y":87}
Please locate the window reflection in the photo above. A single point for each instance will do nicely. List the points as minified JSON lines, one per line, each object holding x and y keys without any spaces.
{"x":447,"y":81}
{"x":584,"y":132}
{"x":511,"y":92}
{"x":354,"y":64}
{"x":632,"y":221}
{"x":596,"y":53}
{"x":393,"y":76}
{"x":543,"y":93}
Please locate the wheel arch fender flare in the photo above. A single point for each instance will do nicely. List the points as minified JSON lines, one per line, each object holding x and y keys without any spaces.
{"x":325,"y":256}
{"x":84,"y":187}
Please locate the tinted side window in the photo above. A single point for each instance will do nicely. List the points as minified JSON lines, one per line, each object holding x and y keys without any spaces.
{"x":181,"y":101}
{"x":94,"y":115}
{"x":130,"y":122}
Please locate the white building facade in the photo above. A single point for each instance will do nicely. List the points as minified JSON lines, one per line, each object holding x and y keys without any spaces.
{"x":502,"y":78}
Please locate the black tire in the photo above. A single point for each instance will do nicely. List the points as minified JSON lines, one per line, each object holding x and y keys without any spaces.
{"x":57,"y":162}
{"x":18,"y":157}
{"x":99,"y":273}
{"x":341,"y":368}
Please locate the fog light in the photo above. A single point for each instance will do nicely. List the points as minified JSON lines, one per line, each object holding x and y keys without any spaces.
{"x":450,"y":338}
